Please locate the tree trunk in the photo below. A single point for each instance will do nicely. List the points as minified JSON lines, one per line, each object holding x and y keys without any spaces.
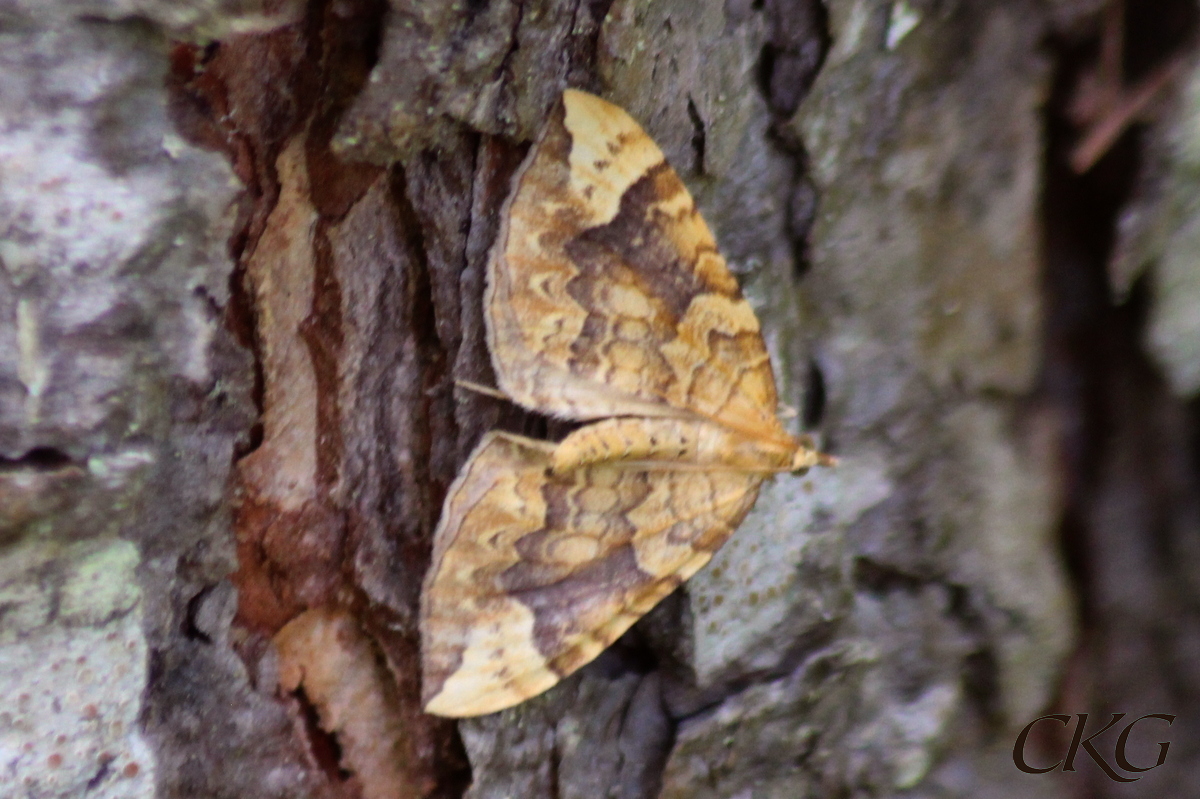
{"x":243,"y":267}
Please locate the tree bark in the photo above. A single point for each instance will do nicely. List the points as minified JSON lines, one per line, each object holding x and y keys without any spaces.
{"x":243,"y":267}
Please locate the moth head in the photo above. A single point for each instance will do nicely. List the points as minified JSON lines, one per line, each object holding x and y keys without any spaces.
{"x":806,"y":456}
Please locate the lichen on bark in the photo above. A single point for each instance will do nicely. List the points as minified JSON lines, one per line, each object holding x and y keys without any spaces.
{"x":238,"y":395}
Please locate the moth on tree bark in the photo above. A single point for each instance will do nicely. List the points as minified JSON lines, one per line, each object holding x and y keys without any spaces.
{"x":798,"y":631}
{"x":865,"y":631}
{"x":607,"y":299}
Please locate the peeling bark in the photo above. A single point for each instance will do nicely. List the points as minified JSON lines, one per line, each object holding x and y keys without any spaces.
{"x":242,"y":269}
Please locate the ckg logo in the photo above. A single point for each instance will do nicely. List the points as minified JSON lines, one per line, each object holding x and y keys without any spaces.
{"x":1120,"y":757}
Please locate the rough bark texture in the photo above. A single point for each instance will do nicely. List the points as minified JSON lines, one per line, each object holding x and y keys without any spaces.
{"x":1128,"y":356}
{"x":241,"y":267}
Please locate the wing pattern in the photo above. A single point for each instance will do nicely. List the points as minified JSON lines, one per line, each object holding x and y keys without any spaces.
{"x":533,"y":575}
{"x":606,"y":293}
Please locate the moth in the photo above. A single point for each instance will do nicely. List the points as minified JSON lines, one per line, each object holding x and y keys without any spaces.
{"x":607,"y":302}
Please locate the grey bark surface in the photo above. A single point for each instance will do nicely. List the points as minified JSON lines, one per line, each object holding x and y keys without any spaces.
{"x":123,"y":398}
{"x":241,"y":266}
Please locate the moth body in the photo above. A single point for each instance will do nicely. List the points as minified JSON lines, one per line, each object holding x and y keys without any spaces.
{"x":675,"y":443}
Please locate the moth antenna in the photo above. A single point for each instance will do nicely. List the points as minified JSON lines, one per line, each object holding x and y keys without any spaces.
{"x":479,"y":388}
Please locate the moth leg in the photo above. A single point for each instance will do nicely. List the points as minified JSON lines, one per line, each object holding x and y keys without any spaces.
{"x":479,"y":388}
{"x":536,"y":444}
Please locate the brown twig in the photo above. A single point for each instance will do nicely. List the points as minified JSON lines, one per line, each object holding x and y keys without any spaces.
{"x":1125,"y":108}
